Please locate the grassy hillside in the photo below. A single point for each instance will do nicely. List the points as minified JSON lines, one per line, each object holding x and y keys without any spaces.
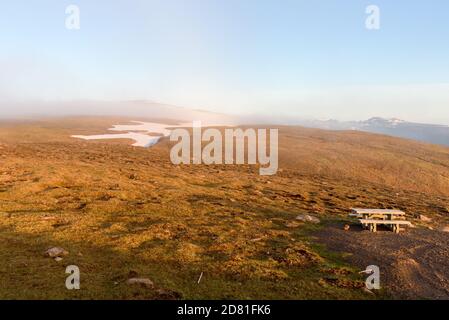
{"x":122,"y":211}
{"x":398,"y":163}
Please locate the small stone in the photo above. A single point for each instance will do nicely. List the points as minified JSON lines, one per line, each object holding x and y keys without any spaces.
{"x":308,"y":218}
{"x":141,"y":281}
{"x":48,"y":218}
{"x":346,"y":227}
{"x":56,"y":252}
{"x":424,"y":218}
{"x":166,"y":294}
{"x":292,"y":224}
{"x":57,"y":259}
{"x":445,"y":229}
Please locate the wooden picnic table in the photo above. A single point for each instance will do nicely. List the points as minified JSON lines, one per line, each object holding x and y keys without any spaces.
{"x":370,"y":218}
{"x":384,"y":214}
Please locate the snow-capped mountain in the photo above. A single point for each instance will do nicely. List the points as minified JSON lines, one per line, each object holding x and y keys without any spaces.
{"x":381,"y":122}
{"x":438,"y":134}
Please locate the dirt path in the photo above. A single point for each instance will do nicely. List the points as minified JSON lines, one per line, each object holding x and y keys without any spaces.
{"x":413,"y":264}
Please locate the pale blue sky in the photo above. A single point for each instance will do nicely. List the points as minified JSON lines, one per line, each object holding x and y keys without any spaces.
{"x":298,"y":58}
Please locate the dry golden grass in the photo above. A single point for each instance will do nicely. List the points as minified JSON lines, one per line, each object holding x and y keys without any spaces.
{"x":121,"y":210}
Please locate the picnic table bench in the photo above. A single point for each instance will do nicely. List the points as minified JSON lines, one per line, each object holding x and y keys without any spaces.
{"x":370,"y":218}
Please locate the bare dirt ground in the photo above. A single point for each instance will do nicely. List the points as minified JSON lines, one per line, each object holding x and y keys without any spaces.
{"x":413,"y":264}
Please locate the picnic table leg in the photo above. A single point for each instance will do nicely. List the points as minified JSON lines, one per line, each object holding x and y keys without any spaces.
{"x":396,"y":228}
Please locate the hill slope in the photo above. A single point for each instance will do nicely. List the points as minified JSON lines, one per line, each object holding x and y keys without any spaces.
{"x":123,"y":211}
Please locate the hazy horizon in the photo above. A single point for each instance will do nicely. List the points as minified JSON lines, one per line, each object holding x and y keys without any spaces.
{"x":140,"y":109}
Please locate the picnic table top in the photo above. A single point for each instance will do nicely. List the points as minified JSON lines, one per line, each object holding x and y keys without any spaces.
{"x":378,"y":211}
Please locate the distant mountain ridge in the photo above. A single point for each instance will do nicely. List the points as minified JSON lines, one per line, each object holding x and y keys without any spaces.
{"x":140,"y":109}
{"x":432,"y":133}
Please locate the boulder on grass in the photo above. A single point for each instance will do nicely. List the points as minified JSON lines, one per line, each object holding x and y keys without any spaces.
{"x":424,"y":218}
{"x":56,"y":252}
{"x":308,"y":218}
{"x":141,"y":281}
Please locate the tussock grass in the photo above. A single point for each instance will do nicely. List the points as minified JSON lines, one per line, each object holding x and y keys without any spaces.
{"x":121,"y":211}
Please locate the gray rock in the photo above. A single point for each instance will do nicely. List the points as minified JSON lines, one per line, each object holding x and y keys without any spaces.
{"x":56,"y":252}
{"x":292,"y":224}
{"x":141,"y":281}
{"x":307,"y":218}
